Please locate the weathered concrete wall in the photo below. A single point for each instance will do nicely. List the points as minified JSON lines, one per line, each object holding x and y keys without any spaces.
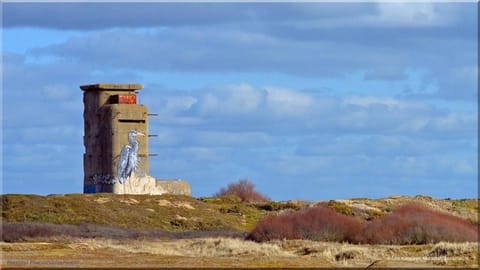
{"x":106,"y":132}
{"x":110,"y":113}
{"x":176,"y":187}
{"x":125,"y":117}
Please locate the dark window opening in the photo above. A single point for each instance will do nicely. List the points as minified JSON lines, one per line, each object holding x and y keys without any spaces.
{"x":130,"y":121}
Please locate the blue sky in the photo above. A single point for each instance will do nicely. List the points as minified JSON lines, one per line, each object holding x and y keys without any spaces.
{"x":306,"y":100}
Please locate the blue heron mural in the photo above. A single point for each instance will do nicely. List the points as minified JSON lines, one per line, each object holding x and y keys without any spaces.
{"x":128,"y":160}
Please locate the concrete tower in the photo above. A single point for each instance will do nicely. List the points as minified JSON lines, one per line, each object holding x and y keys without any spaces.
{"x":111,"y":111}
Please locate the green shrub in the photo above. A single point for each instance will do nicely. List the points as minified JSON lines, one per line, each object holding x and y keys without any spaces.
{"x":224,"y":199}
{"x":340,"y":207}
{"x":278,"y":206}
{"x":374,"y":214}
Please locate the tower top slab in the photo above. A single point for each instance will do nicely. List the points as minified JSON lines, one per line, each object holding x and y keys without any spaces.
{"x":111,"y":87}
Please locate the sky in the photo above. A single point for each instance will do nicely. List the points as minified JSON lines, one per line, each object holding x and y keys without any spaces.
{"x":308,"y":101}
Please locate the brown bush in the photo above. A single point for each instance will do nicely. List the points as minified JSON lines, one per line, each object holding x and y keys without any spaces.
{"x":19,"y":232}
{"x":14,"y":232}
{"x":245,"y":190}
{"x":317,"y":223}
{"x":418,"y":224}
{"x":408,"y":224}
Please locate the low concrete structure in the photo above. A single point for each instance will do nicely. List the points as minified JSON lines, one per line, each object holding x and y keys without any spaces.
{"x":176,"y":187}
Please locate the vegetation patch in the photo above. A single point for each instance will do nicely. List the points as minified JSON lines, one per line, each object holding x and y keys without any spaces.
{"x":133,"y":211}
{"x":465,"y":203}
{"x":453,"y":249}
{"x":279,"y":206}
{"x":340,"y":207}
{"x":318,"y":223}
{"x":415,"y":223}
{"x":408,"y":224}
{"x":373,"y":214}
{"x":143,"y":216}
{"x":245,"y":190}
{"x":18,"y":232}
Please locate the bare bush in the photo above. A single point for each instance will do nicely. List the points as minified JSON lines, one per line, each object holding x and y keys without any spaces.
{"x":318,"y":223}
{"x":245,"y":190}
{"x":415,"y":223}
{"x":408,"y":224}
{"x":14,"y":232}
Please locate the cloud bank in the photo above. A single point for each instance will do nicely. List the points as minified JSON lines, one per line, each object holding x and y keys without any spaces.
{"x":308,"y":100}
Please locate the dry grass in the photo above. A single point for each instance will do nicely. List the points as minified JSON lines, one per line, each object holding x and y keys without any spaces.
{"x":206,"y":247}
{"x":455,"y":254}
{"x":334,"y":251}
{"x":228,"y":252}
{"x":453,"y":249}
{"x":344,"y":254}
{"x":232,"y":247}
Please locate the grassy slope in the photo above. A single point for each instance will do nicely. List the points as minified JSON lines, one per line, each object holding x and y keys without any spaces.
{"x":167,"y":212}
{"x":183,"y":213}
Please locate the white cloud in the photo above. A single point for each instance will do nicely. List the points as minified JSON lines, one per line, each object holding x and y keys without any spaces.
{"x":274,"y":109}
{"x":245,"y":132}
{"x":178,"y":103}
{"x":292,"y":46}
{"x":454,"y":121}
{"x":173,"y":137}
{"x":366,"y":101}
{"x":412,"y":15}
{"x":202,"y":154}
{"x":230,"y":100}
{"x":286,"y":102}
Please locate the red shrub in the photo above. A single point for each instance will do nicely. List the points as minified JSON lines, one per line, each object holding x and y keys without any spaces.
{"x":418,"y":224}
{"x":245,"y":190}
{"x":408,"y":224}
{"x":316,"y":223}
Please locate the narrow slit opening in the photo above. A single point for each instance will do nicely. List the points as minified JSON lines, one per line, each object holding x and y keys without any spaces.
{"x":130,"y":121}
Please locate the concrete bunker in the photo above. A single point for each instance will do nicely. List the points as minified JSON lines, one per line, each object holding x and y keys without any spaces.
{"x":110,"y":113}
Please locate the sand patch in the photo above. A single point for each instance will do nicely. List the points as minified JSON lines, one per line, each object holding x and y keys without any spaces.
{"x":130,"y":201}
{"x":185,"y":205}
{"x":102,"y":200}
